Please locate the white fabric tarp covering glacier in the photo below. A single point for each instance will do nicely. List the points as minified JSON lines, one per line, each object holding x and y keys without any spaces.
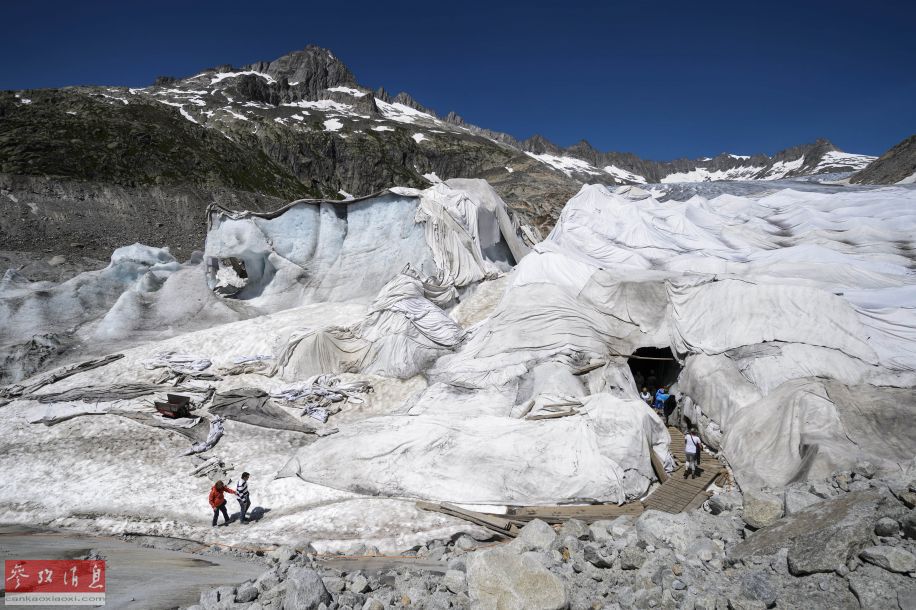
{"x":312,"y":251}
{"x":792,"y":314}
{"x":455,"y":456}
{"x":403,"y":333}
{"x":759,"y":325}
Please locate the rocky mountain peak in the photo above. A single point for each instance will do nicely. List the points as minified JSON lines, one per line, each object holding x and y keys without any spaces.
{"x":454,"y":118}
{"x":405,"y":98}
{"x":312,"y":69}
{"x":812,"y":150}
{"x":583,"y":150}
{"x":540,"y":145}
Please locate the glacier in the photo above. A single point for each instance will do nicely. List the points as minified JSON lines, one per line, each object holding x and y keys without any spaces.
{"x":791,"y":310}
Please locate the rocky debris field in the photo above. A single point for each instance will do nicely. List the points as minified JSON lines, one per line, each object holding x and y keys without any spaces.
{"x":844,"y":542}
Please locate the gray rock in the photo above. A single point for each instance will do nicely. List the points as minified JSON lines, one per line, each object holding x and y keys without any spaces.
{"x":535,"y":536}
{"x":820,"y":538}
{"x":632,"y":558}
{"x":661,"y":529}
{"x":842,"y":480}
{"x":678,"y":584}
{"x":373,"y":604}
{"x":437,"y":553}
{"x":621,"y":526}
{"x":575,"y":528}
{"x":822,"y":489}
{"x":890,"y":558}
{"x":500,"y":578}
{"x":334,"y":584}
{"x":466,"y":543}
{"x":756,"y":585}
{"x":304,"y":590}
{"x":282,"y":554}
{"x":762,"y":508}
{"x":438,"y":601}
{"x":797,"y":499}
{"x":455,"y":581}
{"x":820,"y":591}
{"x":704,"y":549}
{"x":724,"y":502}
{"x":221,"y":598}
{"x":865,"y":469}
{"x":599,"y":531}
{"x":908,"y":525}
{"x":247,"y":593}
{"x":887,"y":527}
{"x":267,"y":580}
{"x":273,"y":595}
{"x":359,"y":584}
{"x":592,"y":554}
{"x":877,"y":588}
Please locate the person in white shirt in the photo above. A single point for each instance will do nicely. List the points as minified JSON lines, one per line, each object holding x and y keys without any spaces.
{"x":692,"y":447}
{"x":241,"y":490}
{"x":647,"y":398}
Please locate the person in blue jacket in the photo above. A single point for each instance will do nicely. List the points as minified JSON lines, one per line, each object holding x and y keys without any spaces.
{"x":660,"y":397}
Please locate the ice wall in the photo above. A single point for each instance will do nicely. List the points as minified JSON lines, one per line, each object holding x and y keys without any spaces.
{"x":313,"y":251}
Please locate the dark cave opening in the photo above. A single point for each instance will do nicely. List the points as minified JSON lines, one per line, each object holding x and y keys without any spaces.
{"x":654,"y":368}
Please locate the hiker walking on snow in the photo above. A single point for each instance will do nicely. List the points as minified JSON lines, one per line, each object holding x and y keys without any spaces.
{"x":241,"y":490}
{"x":218,"y":501}
{"x":692,"y":447}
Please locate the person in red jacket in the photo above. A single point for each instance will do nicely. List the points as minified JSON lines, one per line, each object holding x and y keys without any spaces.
{"x":218,"y":501}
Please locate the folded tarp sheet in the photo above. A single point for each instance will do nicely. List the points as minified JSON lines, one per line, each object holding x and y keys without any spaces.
{"x":253,"y":406}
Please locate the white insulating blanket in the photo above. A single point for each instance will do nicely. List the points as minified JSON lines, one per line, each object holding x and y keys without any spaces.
{"x":403,"y":333}
{"x":312,"y":251}
{"x":486,"y":459}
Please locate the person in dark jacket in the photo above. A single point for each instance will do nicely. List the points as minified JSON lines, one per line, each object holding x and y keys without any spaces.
{"x":670,"y":406}
{"x":218,"y":501}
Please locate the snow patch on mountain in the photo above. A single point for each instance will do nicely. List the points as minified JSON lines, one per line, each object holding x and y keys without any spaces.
{"x":837,"y":158}
{"x":402,"y":113}
{"x":567,"y":165}
{"x":323,"y":105}
{"x":781,"y":169}
{"x":332,"y":125}
{"x":218,"y":78}
{"x":701,"y":174}
{"x":348,"y":91}
{"x":623,"y":174}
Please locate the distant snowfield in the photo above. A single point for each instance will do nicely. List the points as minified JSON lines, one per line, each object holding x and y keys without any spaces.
{"x":567,"y":165}
{"x":792,"y":310}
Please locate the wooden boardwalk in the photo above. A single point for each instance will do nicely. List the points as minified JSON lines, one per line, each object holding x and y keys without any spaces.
{"x":676,"y":494}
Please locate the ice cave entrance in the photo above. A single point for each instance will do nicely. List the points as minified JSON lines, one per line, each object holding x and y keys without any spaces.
{"x":653,"y":368}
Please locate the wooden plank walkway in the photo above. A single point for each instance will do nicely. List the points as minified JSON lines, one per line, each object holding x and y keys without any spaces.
{"x":676,"y":494}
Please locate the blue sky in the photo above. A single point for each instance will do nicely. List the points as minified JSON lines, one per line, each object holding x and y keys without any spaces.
{"x":660,"y":79}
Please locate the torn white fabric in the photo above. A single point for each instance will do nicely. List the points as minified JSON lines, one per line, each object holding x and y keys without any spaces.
{"x":216,"y":433}
{"x":177,"y":362}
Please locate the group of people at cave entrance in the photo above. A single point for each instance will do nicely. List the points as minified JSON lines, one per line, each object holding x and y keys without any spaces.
{"x":665,"y":404}
{"x":661,"y":400}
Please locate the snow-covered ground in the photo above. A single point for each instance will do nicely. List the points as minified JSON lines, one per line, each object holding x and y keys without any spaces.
{"x":791,"y":305}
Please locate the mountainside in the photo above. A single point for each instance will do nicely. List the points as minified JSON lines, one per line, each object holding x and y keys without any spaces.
{"x":896,"y":166}
{"x":299,"y":126}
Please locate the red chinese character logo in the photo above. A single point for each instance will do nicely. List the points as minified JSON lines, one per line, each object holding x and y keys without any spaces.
{"x":18,"y":572}
{"x":96,"y":577}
